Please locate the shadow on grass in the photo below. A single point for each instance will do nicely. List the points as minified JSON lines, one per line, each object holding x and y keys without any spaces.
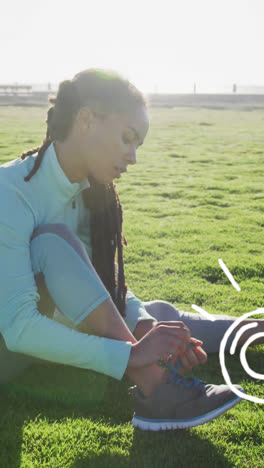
{"x":58,"y":392}
{"x":55,"y":393}
{"x":181,"y":449}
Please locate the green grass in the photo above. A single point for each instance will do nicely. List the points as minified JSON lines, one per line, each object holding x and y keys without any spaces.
{"x":196,"y":195}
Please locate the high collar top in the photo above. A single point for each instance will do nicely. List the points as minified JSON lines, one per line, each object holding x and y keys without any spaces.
{"x":57,"y":177}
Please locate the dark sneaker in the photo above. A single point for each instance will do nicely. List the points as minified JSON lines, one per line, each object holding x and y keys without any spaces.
{"x":181,"y":403}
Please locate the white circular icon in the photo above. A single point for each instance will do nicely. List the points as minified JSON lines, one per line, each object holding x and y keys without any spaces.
{"x":243,"y":350}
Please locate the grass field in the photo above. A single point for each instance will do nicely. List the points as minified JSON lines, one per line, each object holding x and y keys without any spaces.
{"x":196,"y":195}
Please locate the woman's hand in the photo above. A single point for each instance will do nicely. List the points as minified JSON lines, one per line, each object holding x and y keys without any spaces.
{"x":161,"y":340}
{"x":194,"y":356}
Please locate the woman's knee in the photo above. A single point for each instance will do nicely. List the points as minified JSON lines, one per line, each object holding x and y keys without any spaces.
{"x":70,"y":277}
{"x":59,"y":231}
{"x":56,"y":228}
{"x":162,"y":311}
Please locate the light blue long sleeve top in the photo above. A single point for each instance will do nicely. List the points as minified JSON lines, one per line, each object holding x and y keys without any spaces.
{"x":47,"y":198}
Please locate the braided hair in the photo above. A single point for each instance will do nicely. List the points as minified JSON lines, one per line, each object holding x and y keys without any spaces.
{"x":104,"y":92}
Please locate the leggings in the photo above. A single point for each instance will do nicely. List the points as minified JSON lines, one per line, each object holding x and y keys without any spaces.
{"x":56,"y":303}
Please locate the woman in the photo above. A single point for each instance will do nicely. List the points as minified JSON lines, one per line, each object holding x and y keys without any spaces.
{"x":60,"y":235}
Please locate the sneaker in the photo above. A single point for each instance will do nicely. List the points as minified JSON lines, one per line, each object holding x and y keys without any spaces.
{"x":181,"y":402}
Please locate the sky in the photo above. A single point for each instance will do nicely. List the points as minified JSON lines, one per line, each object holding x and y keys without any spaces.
{"x":160,"y":45}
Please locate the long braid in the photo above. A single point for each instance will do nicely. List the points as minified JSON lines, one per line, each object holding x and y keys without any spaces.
{"x":40,"y":150}
{"x":122,"y":287}
{"x":107,"y":238}
{"x":104,"y":92}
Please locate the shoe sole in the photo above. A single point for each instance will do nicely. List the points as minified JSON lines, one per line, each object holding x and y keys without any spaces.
{"x":168,"y":424}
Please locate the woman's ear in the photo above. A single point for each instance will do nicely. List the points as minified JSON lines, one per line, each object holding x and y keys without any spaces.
{"x":84,"y":119}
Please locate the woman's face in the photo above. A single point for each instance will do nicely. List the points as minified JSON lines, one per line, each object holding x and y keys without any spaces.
{"x":109,"y":144}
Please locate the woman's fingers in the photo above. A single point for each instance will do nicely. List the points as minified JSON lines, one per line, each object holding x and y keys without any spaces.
{"x":201,"y":354}
{"x":190,"y":360}
{"x":177,"y":329}
{"x":167,"y":338}
{"x":175,"y":325}
{"x":185,"y":365}
{"x":194,"y":356}
{"x":176,"y":346}
{"x":196,"y":342}
{"x":164,"y":338}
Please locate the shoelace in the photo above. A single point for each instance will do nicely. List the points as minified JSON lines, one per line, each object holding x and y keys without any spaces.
{"x":177,"y":377}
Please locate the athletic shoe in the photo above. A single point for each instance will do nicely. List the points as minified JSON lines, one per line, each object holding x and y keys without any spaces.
{"x":181,"y":402}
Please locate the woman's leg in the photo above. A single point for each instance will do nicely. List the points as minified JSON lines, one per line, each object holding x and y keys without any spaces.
{"x":59,"y":254}
{"x":208,"y":331}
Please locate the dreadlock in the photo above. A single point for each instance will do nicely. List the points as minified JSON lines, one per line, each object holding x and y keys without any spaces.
{"x":104,"y":92}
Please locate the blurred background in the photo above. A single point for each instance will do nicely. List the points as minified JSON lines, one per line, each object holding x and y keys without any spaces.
{"x":168,"y":46}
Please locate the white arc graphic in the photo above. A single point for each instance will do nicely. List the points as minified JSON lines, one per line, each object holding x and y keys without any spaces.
{"x":228,"y":274}
{"x":203,"y":312}
{"x":243,"y":350}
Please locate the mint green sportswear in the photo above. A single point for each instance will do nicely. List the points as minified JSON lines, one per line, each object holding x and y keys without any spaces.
{"x":47,"y":199}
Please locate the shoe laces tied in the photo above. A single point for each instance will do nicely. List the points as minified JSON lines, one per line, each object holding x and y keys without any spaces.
{"x":177,"y":377}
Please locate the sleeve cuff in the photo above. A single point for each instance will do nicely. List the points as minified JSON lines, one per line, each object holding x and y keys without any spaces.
{"x":113,"y":359}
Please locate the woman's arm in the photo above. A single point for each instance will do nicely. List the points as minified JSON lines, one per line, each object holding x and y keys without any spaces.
{"x":24,"y":329}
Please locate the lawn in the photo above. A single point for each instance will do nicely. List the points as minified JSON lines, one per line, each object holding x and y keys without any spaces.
{"x":196,"y":195}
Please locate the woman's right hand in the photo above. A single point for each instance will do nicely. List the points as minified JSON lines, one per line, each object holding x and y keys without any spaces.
{"x":163,"y":339}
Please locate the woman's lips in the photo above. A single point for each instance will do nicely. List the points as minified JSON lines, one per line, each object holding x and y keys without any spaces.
{"x":117,"y":173}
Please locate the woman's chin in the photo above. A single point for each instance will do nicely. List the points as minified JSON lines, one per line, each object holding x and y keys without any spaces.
{"x":103,"y":180}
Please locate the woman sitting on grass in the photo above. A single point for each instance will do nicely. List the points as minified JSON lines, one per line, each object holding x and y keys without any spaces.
{"x":61,"y":245}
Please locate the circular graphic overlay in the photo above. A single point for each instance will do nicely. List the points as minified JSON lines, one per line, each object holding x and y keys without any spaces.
{"x":243,"y":350}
